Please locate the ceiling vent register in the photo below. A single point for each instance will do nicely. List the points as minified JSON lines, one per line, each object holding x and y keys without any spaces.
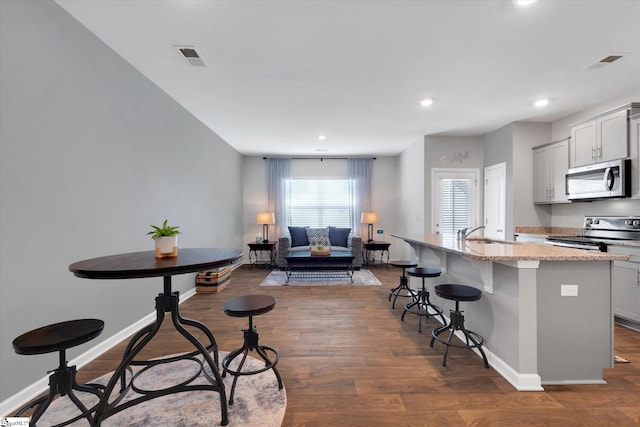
{"x":191,"y":55}
{"x":605,"y":61}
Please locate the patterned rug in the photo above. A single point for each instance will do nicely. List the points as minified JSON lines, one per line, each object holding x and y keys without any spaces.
{"x":257,"y":400}
{"x":321,"y":278}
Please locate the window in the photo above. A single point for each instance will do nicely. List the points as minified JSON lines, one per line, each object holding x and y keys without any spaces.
{"x":318,"y":203}
{"x":454,"y":201}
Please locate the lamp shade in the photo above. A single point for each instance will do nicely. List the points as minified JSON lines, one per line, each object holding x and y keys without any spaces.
{"x":265,"y":218}
{"x":369,"y":218}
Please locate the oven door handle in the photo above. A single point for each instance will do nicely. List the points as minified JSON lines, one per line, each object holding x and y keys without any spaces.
{"x":573,"y":245}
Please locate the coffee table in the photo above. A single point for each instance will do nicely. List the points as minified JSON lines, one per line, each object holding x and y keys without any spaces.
{"x":300,"y":262}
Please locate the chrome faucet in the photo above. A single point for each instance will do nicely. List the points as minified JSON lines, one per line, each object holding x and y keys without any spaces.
{"x":465,"y":232}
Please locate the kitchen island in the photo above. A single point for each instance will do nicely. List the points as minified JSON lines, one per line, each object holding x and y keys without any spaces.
{"x":545,"y":313}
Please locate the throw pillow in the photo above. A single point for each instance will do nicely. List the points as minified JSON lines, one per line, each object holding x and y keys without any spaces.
{"x":339,"y":236}
{"x":298,"y":236}
{"x":318,"y":236}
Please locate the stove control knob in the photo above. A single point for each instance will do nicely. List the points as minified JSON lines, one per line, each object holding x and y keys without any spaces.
{"x":628,"y":222}
{"x":596,"y":221}
{"x":636,"y":222}
{"x":589,"y":221}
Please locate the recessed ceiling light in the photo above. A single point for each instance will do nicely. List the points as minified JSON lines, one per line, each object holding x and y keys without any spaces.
{"x":524,"y":2}
{"x":322,"y":150}
{"x":322,"y":137}
{"x":426,"y":102}
{"x":541,"y":103}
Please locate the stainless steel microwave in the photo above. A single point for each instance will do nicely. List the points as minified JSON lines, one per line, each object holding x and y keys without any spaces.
{"x":599,"y":181}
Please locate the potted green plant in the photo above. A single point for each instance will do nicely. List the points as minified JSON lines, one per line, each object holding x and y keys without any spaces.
{"x":166,"y":238}
{"x":320,"y":249}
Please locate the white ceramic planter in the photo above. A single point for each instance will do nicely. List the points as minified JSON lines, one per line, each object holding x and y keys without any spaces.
{"x":166,"y":246}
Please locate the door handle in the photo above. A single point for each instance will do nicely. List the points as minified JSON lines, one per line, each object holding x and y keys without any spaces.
{"x":608,"y":179}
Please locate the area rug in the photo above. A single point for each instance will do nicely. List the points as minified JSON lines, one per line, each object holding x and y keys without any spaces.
{"x":257,"y":400}
{"x":320,"y":278}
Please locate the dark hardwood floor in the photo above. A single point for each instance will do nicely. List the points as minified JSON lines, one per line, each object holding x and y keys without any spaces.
{"x":346,"y":359}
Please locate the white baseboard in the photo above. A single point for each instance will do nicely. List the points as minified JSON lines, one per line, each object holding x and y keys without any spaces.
{"x":15,"y":402}
{"x":522,"y":382}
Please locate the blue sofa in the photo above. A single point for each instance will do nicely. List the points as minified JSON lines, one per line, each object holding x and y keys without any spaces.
{"x":300,"y":239}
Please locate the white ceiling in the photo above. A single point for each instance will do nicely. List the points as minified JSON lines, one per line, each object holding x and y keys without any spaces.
{"x":280,"y":73}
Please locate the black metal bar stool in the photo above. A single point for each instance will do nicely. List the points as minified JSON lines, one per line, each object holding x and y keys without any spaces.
{"x":420,"y":306}
{"x":59,"y":337}
{"x":249,"y":306}
{"x":402,"y":290}
{"x":458,"y":293}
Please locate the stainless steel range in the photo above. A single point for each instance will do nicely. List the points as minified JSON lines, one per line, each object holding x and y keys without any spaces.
{"x":599,"y":232}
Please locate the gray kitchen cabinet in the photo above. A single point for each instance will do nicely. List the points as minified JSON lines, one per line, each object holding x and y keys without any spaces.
{"x":625,"y":284}
{"x":600,"y":139}
{"x":634,"y":142}
{"x":550,"y":163}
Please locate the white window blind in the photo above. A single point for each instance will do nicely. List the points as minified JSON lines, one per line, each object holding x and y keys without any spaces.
{"x":318,"y":203}
{"x":455,"y":205}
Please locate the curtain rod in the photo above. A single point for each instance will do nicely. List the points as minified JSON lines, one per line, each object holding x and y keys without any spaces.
{"x":319,"y":158}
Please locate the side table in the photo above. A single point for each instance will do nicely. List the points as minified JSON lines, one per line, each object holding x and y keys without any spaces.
{"x":369,"y":250}
{"x":256,"y":248}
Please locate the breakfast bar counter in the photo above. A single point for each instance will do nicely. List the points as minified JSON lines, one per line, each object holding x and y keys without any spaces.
{"x":545,"y":313}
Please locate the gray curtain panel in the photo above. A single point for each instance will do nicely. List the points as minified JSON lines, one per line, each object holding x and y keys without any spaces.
{"x":360,"y":172}
{"x":278,"y":175}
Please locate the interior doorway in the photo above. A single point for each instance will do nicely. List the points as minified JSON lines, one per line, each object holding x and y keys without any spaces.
{"x":495,"y":201}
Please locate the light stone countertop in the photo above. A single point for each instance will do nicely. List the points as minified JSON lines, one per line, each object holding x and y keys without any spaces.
{"x":508,"y":251}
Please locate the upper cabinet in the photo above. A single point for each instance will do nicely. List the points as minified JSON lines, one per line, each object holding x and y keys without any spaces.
{"x":601,"y":139}
{"x":550,"y":164}
{"x":634,"y":140}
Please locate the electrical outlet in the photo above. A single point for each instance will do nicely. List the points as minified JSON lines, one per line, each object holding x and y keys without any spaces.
{"x":568,"y":290}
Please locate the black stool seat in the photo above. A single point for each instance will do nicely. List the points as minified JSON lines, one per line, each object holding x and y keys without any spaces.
{"x":424,"y":272}
{"x":403,"y":263}
{"x":458,"y":293}
{"x":59,"y":337}
{"x":249,"y":306}
{"x":420,"y":306}
{"x":402,"y":290}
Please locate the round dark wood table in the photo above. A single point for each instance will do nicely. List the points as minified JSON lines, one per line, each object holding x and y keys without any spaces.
{"x":144,"y":264}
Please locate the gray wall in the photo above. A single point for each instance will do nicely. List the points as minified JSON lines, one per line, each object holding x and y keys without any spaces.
{"x":441,"y":153}
{"x":411,"y":203}
{"x":526,"y":136}
{"x":384,"y":197}
{"x":91,"y":153}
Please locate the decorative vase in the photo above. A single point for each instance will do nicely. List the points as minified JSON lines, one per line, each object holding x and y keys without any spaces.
{"x":166,"y":246}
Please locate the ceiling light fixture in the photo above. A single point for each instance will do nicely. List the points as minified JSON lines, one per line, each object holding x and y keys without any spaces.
{"x":541,"y":103}
{"x":524,"y":2}
{"x":426,"y":102}
{"x":322,"y":137}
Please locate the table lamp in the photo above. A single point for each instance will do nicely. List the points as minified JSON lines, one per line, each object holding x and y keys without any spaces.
{"x":369,"y":218}
{"x":265,"y":218}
